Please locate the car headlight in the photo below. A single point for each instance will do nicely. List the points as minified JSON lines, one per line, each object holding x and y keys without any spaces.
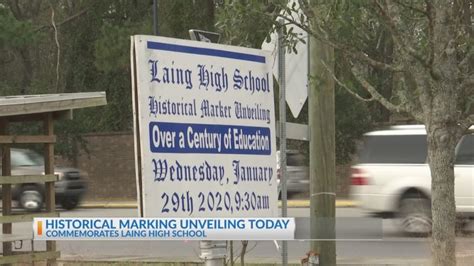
{"x":60,"y":175}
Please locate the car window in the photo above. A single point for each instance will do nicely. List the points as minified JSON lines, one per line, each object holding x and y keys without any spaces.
{"x":293,"y":159}
{"x":25,"y":158}
{"x":406,"y":149}
{"x":465,"y":154}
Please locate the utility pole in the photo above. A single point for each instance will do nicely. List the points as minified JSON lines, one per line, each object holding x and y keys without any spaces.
{"x":322,"y":150}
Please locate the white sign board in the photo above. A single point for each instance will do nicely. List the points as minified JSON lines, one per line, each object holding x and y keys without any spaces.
{"x":296,"y":65}
{"x":204,"y":129}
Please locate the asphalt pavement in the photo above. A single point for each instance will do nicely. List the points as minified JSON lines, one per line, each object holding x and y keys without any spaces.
{"x":392,"y":247}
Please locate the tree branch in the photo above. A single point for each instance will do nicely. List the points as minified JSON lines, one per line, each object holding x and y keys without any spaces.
{"x":67,"y":20}
{"x":58,"y":55}
{"x":375,"y":94}
{"x":344,"y":48}
{"x":15,"y":8}
{"x":431,"y":14}
{"x":415,"y":102}
{"x":353,"y":93}
{"x":400,"y":3}
{"x":35,"y":7}
{"x":307,"y":11}
{"x":397,"y":36}
{"x":467,"y":17}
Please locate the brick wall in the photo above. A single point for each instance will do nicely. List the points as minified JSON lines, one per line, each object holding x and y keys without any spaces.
{"x":110,"y":166}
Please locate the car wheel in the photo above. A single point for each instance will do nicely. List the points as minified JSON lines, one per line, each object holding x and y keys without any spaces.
{"x":415,"y":215}
{"x":70,"y":203}
{"x":31,"y":199}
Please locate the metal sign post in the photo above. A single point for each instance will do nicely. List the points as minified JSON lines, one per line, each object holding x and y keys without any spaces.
{"x":283,"y":177}
{"x":213,"y":252}
{"x":204,"y":36}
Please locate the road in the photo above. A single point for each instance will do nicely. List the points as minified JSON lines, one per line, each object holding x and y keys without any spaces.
{"x":392,"y":245}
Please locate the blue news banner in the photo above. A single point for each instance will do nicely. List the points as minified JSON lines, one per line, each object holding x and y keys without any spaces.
{"x":164,"y":228}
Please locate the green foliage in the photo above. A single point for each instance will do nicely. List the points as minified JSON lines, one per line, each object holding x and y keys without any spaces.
{"x":14,"y":33}
{"x":115,"y":39}
{"x":94,"y":38}
{"x":352,"y":121}
{"x":248,"y":23}
{"x":95,"y":54}
{"x":245,"y":23}
{"x":178,"y":16}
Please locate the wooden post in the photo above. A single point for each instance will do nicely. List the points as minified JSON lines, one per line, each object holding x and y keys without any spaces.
{"x":6,"y":188}
{"x":322,"y":151}
{"x":49,"y":169}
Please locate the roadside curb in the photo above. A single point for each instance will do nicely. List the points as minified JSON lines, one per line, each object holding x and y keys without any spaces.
{"x":111,"y":205}
{"x":305,"y":203}
{"x":161,"y":263}
{"x":133,"y":205}
{"x":462,"y":260}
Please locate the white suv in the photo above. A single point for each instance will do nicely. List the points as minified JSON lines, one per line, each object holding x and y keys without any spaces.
{"x":393,"y":178}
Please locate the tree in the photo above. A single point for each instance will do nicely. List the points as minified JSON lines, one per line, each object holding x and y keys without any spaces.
{"x":432,"y":68}
{"x":247,"y":23}
{"x":60,"y":46}
{"x":422,"y":52}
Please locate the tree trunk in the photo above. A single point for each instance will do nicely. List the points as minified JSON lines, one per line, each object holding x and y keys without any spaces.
{"x":27,"y":70}
{"x":442,"y":140}
{"x":442,"y":112}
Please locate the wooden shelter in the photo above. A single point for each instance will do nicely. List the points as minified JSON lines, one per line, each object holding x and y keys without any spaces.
{"x":26,"y":109}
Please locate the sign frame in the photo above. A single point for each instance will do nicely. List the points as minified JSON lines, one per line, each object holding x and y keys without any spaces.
{"x":221,"y":54}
